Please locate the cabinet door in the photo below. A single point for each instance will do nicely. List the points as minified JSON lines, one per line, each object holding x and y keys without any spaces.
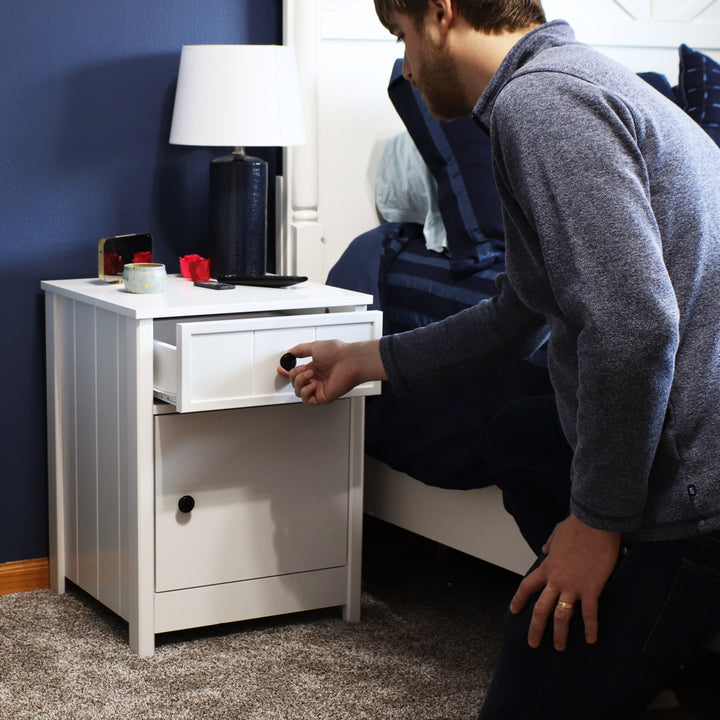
{"x":269,"y":490}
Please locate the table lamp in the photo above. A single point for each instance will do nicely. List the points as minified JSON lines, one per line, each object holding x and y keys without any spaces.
{"x":238,"y":96}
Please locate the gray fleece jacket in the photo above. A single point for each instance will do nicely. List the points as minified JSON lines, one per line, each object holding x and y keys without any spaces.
{"x":611,"y":200}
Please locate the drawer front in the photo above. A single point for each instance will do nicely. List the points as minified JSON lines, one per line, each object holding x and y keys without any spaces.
{"x":269,"y":489}
{"x":222,"y":364}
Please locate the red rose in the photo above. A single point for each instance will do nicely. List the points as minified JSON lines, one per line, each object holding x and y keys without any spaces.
{"x":185,"y":261}
{"x":195,"y":267}
{"x":112,"y":264}
{"x":144,"y":256}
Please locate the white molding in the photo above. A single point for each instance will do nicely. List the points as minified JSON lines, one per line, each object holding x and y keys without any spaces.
{"x":641,"y":23}
{"x":302,"y":226}
{"x":665,"y":10}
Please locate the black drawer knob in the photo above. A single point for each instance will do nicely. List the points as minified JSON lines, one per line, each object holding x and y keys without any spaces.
{"x":186,"y":503}
{"x":288,"y":361}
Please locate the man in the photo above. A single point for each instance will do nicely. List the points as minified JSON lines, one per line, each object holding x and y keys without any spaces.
{"x":612,"y":221}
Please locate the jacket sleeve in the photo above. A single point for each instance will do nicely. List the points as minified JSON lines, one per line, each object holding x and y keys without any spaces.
{"x":471,"y":341}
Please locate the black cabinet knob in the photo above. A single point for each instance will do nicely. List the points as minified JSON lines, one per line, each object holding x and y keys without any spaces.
{"x":288,"y":362}
{"x":186,"y":503}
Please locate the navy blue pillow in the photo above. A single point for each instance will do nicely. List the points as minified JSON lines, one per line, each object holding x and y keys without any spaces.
{"x":699,"y":90}
{"x":660,"y":83}
{"x":458,"y":155}
{"x":358,"y":267}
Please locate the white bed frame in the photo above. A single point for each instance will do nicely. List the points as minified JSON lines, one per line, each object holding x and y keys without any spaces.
{"x":345,"y":57}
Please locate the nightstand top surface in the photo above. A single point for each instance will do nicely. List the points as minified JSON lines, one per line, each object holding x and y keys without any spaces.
{"x":182,"y":298}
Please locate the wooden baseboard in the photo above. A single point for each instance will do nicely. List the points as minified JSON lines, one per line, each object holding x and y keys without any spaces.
{"x":24,"y":575}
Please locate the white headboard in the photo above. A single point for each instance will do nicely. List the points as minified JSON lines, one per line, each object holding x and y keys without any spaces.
{"x":345,"y":58}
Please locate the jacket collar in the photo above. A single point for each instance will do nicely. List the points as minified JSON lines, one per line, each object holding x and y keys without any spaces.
{"x":551,"y":34}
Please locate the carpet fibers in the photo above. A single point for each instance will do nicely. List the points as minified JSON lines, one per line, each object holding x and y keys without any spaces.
{"x":425,"y":649}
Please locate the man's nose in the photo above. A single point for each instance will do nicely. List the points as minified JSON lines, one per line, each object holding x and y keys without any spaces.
{"x":407,"y":70}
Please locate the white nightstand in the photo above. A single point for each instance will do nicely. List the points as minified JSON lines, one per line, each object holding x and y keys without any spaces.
{"x":226,"y":499}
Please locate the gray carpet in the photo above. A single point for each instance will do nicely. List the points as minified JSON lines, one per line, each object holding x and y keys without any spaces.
{"x":425,"y":649}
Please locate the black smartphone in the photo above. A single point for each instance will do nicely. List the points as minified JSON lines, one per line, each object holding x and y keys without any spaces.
{"x":114,"y":252}
{"x":212,"y":285}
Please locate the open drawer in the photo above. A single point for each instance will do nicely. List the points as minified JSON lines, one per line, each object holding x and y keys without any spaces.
{"x":220,"y":364}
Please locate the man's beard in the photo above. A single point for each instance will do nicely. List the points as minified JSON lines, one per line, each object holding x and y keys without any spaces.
{"x":440,"y":84}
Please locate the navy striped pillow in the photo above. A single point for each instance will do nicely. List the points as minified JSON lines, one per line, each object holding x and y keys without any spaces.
{"x":417,"y":286}
{"x":699,"y":90}
{"x":458,"y":155}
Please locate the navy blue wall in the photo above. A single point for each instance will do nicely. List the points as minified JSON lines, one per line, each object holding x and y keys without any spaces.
{"x":87,"y":91}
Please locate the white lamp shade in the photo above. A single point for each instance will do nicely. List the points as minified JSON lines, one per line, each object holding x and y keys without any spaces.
{"x":237,"y":96}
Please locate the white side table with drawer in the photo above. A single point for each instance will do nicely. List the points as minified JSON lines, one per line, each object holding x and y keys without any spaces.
{"x":188,"y":486}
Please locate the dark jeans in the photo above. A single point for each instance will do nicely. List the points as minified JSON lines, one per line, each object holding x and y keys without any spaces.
{"x":659,"y":607}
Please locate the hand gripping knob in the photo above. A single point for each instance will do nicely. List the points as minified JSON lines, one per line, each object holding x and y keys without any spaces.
{"x":288,"y":362}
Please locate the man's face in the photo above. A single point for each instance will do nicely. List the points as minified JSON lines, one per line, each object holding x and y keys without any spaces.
{"x":431,"y":69}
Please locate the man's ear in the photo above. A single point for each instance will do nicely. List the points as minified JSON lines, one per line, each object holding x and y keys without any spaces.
{"x":442,"y":12}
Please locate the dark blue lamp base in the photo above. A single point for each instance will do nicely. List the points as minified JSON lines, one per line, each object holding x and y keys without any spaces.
{"x":238,"y":215}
